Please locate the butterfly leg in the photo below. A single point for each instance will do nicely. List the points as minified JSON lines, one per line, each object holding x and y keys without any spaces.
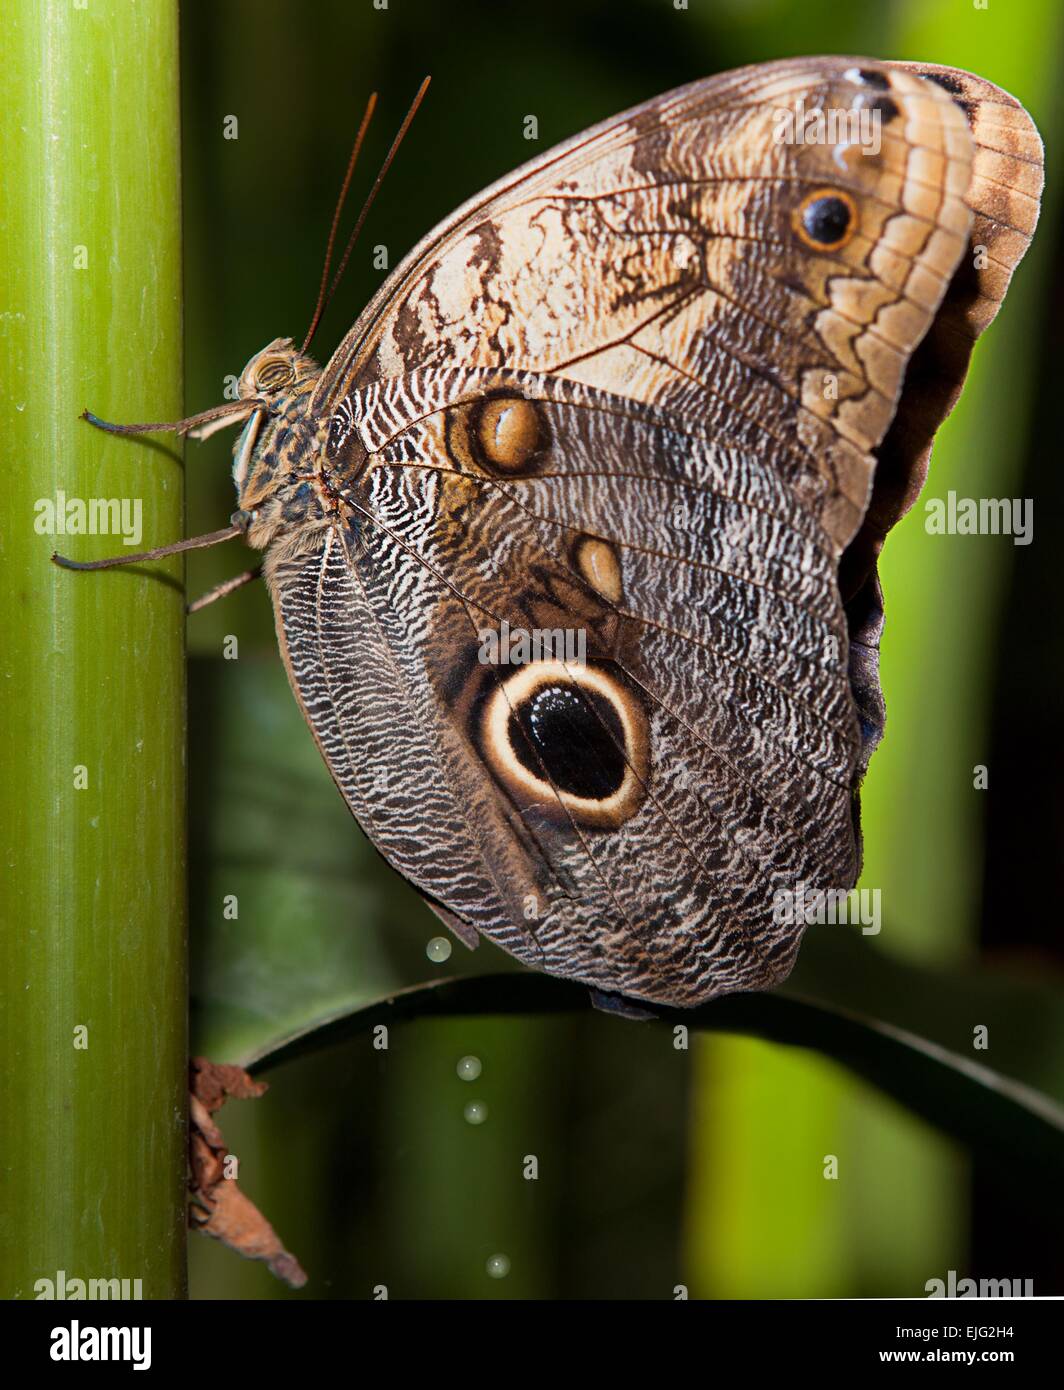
{"x":221,"y":590}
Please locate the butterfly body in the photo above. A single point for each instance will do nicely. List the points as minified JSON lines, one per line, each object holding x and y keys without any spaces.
{"x":643,"y":398}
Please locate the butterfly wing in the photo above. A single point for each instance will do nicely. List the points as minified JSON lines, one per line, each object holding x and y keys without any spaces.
{"x":1004,"y":195}
{"x":630,"y":397}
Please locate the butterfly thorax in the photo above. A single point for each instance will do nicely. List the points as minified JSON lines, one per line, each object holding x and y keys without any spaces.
{"x":280,"y":488}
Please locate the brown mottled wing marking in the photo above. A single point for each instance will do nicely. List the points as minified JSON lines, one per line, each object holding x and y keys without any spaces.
{"x":1004,"y":196}
{"x":654,"y":257}
{"x":332,"y":642}
{"x":629,"y":390}
{"x":724,"y":624}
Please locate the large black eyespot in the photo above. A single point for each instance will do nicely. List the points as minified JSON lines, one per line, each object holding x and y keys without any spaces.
{"x":568,"y":742}
{"x":574,"y":737}
{"x":826,"y":220}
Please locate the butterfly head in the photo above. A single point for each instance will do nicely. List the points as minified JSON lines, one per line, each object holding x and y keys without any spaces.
{"x":273,"y":459}
{"x":277,"y":372}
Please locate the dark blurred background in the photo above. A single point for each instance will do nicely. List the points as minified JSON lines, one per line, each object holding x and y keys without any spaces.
{"x":657,"y":1167}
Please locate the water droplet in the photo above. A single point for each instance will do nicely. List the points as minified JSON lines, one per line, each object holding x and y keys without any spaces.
{"x":499,"y":1266}
{"x":438,"y":949}
{"x":476,"y":1112}
{"x":468,"y":1068}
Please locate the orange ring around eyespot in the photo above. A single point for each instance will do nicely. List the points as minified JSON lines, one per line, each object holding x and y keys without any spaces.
{"x":807,"y":201}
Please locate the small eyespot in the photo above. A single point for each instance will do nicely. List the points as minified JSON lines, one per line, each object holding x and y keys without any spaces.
{"x":507,"y":434}
{"x":946,"y":81}
{"x":870,"y":77}
{"x":596,"y":561}
{"x":887,"y":108}
{"x":826,"y":219}
{"x":956,"y":88}
{"x":273,"y":373}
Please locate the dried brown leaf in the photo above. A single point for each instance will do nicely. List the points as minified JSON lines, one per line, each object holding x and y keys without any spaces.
{"x":217,"y":1206}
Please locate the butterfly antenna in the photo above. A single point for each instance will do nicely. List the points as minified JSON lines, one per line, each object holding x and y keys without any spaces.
{"x":319,"y":307}
{"x":323,"y":298}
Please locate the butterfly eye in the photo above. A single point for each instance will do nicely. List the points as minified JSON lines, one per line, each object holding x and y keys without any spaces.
{"x":570,"y":741}
{"x":826,"y":220}
{"x":273,"y":373}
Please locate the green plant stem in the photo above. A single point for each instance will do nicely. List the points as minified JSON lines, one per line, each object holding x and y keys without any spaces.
{"x":92,"y":706}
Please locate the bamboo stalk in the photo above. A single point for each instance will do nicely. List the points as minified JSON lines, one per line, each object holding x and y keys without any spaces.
{"x":92,"y":704}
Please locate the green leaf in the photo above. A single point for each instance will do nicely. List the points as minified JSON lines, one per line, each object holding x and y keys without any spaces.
{"x":964,"y":1099}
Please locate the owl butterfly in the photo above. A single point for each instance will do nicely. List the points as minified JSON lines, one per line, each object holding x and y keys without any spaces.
{"x":662,"y":391}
